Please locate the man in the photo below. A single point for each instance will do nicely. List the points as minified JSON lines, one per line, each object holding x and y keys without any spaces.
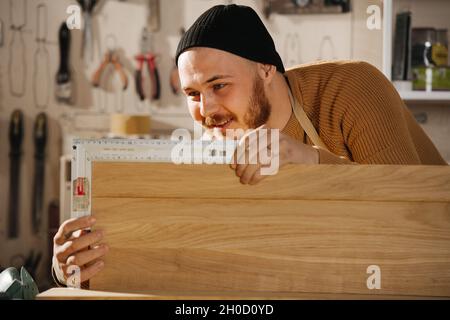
{"x":234,"y":78}
{"x":330,"y":112}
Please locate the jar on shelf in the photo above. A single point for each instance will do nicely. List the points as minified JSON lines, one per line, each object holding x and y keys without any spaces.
{"x":440,"y":48}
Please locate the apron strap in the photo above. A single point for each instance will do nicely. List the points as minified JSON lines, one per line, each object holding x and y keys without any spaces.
{"x":306,"y":124}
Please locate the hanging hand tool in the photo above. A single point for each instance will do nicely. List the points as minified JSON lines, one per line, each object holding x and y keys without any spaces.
{"x":327,"y":40}
{"x":146,"y":56}
{"x":52,"y":228}
{"x":174,"y":76}
{"x":41,"y":74}
{"x":17,"y":62}
{"x":15,"y":142}
{"x":40,"y":140}
{"x":111,"y":57}
{"x":87,"y":7}
{"x":175,"y":81}
{"x":63,"y":77}
{"x":153,"y":19}
{"x":1,"y":33}
{"x":292,"y":49}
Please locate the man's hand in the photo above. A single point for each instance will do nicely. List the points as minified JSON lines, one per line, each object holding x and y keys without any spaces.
{"x":272,"y":147}
{"x":74,"y":246}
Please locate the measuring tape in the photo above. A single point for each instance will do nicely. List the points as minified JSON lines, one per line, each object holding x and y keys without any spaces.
{"x":86,"y":151}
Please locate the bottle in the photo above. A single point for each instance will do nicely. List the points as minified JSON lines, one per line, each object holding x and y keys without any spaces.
{"x":422,"y":41}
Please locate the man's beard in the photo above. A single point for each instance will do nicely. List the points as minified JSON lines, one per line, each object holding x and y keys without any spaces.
{"x":258,"y":111}
{"x":259,"y":106}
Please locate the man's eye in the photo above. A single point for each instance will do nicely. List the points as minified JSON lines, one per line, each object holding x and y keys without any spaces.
{"x":219,"y":86}
{"x":193,"y":94}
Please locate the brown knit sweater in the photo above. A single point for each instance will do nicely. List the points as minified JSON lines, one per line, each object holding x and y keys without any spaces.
{"x":359,"y":116}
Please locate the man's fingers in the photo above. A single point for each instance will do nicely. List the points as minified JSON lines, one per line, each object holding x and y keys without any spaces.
{"x":90,"y":271}
{"x":239,"y":155}
{"x":233,"y":161}
{"x":251,"y":158}
{"x":250,"y":170}
{"x":240,"y":169}
{"x":256,"y":178}
{"x":72,"y":225}
{"x":87,"y":256}
{"x":72,"y":246}
{"x":76,"y":275}
{"x":252,"y":144}
{"x":248,"y":159}
{"x":265,"y":152}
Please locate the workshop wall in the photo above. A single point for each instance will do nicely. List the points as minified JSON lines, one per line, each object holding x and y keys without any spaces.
{"x":118,"y":24}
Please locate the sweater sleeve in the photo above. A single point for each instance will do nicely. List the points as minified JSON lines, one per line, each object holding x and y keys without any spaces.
{"x":374,"y":127}
{"x":327,"y":157}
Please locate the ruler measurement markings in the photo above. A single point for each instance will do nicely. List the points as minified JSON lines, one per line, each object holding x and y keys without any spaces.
{"x":85,"y":151}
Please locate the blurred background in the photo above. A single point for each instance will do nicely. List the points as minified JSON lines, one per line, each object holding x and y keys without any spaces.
{"x":106,"y":68}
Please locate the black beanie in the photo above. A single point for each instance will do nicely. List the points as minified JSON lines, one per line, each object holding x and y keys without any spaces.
{"x":233,"y":28}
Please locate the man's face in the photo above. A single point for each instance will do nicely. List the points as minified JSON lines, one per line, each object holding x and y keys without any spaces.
{"x":223,"y":90}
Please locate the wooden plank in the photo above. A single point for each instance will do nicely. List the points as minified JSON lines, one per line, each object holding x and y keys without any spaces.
{"x":324,"y":182}
{"x":291,"y":246}
{"x":78,"y":294}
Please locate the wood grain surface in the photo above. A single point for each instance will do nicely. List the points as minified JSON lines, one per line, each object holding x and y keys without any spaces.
{"x":195,"y":229}
{"x":79,"y":294}
{"x":316,"y":182}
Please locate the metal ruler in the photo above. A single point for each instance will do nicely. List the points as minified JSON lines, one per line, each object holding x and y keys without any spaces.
{"x":86,"y":151}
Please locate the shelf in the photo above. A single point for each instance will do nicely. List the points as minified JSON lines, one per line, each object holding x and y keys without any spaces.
{"x":425,"y":96}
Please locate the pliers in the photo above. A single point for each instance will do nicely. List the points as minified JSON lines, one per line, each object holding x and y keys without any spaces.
{"x":146,"y":56}
{"x":110,"y":57}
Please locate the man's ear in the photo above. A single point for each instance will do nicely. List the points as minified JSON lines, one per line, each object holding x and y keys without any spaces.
{"x":266,"y":72}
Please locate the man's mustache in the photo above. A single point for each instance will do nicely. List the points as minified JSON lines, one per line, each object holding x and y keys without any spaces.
{"x":216,"y":119}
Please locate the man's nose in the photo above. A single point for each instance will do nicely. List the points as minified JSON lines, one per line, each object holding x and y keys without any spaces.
{"x":208,"y":106}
